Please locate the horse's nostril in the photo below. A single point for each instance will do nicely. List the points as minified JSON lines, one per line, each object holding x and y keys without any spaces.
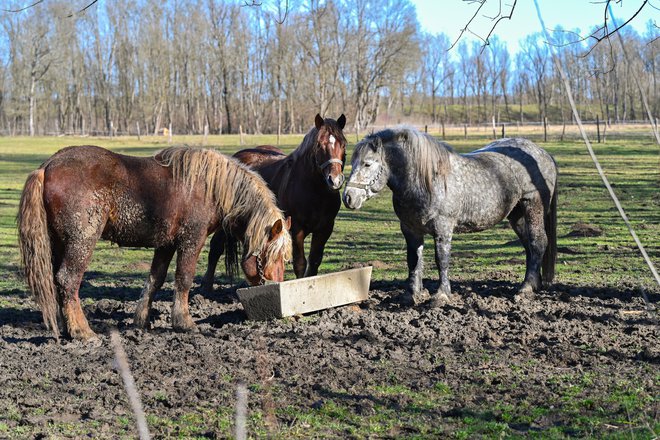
{"x":347,"y":198}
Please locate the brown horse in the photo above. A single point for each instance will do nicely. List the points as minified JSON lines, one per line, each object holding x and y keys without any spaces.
{"x":306,"y":183}
{"x":170,"y":202}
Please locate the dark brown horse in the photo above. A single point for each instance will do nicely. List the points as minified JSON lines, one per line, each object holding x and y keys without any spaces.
{"x":306,"y":184}
{"x":170,"y":202}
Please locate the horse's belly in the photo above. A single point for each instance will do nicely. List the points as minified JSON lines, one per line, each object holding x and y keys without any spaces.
{"x":129,"y":225}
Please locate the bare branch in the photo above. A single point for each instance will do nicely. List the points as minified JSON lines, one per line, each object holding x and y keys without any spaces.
{"x":83,"y":9}
{"x":24,"y":8}
{"x":496,"y":19}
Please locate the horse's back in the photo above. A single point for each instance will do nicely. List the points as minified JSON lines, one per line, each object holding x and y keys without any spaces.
{"x":260,"y":156}
{"x":524,"y":162}
{"x":89,"y":186}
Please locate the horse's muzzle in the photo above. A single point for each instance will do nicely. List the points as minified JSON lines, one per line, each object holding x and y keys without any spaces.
{"x":335,"y":183}
{"x":354,"y":197}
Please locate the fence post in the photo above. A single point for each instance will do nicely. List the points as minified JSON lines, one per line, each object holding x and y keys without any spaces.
{"x":545,"y":129}
{"x":442,"y":121}
{"x":426,"y":129}
{"x":465,"y":131}
{"x":170,"y":138}
{"x":206,"y":133}
{"x":137,"y":124}
{"x":598,"y":128}
{"x":503,"y":131}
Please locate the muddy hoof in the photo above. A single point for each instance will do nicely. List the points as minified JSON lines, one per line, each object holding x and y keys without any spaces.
{"x":525,"y":293}
{"x":85,"y":335}
{"x":440,"y":300}
{"x":141,"y":320}
{"x":183,"y":323}
{"x":206,"y":288}
{"x":407,"y":299}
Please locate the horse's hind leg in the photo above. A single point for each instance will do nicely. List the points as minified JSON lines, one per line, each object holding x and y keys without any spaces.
{"x":216,"y":249}
{"x":75,"y":258}
{"x":159,"y":265}
{"x":528,"y":222}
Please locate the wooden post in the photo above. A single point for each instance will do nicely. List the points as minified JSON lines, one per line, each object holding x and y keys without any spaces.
{"x":465,"y":131}
{"x":598,"y":128}
{"x":112,"y":128}
{"x":170,"y":139}
{"x":206,"y":134}
{"x":503,"y":131}
{"x":442,"y":121}
{"x":137,"y":125}
{"x":426,"y":129}
{"x":494,"y":135}
{"x":240,"y":131}
{"x":545,"y":129}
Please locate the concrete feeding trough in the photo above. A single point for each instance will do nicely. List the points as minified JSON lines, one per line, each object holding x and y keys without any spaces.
{"x":305,"y":295}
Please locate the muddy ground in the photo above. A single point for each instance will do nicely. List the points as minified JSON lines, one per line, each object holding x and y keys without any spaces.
{"x":549,"y":356}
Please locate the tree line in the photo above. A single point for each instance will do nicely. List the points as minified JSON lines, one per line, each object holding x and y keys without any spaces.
{"x":212,"y":66}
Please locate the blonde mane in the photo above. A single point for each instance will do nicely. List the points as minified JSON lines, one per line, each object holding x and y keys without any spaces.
{"x":236,"y":191}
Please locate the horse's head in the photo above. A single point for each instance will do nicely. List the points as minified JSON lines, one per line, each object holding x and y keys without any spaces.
{"x":330,"y":151}
{"x":268,"y":263}
{"x":369,"y":172}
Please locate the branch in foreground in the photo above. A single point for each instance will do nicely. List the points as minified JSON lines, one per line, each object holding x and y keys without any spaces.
{"x":121,"y":363}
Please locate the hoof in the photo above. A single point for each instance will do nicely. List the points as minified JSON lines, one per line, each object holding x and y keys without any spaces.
{"x":141,"y":319}
{"x":206,"y":287}
{"x":183,"y":323}
{"x":407,"y":299}
{"x":526,"y":292}
{"x":84,"y":334}
{"x":440,"y":299}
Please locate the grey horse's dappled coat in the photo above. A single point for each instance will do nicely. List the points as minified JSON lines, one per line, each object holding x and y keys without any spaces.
{"x":437,"y":191}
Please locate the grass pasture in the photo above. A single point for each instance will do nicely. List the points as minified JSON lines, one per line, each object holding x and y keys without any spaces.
{"x":585,"y":402}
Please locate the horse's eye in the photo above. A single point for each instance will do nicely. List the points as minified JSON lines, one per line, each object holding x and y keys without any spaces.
{"x":367,"y":164}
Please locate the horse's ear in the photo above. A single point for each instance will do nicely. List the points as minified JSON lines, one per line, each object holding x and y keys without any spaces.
{"x":287,"y":223}
{"x":276,"y":229}
{"x":318,"y":121}
{"x":376,"y":143}
{"x":341,"y":122}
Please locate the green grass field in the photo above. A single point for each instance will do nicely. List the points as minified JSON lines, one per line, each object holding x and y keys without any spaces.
{"x":610,"y":259}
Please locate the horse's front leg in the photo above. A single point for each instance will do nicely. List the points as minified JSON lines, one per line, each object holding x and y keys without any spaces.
{"x":186,"y":261}
{"x":319,"y":239}
{"x":299,"y":260}
{"x":216,"y":249}
{"x":415,"y":260}
{"x":442,"y":254}
{"x":159,"y":265}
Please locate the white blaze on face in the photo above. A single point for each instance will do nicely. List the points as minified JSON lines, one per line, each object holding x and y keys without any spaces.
{"x":332,"y":141}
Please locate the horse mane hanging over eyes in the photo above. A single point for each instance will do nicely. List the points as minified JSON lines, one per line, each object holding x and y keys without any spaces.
{"x":236,"y":189}
{"x":426,"y":155}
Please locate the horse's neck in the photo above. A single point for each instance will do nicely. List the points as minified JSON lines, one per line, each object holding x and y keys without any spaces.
{"x":399,"y":169}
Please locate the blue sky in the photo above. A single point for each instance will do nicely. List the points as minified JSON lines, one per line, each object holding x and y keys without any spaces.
{"x":450,"y":16}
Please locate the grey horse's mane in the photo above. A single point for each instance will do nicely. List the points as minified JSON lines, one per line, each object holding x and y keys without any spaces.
{"x":428,"y":156}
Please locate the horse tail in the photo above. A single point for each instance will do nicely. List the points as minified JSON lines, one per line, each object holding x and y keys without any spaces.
{"x":550,"y":255}
{"x":231,"y":256}
{"x":35,"y":247}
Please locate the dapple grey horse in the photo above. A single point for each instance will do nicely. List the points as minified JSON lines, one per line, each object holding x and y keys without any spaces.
{"x":437,"y":191}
